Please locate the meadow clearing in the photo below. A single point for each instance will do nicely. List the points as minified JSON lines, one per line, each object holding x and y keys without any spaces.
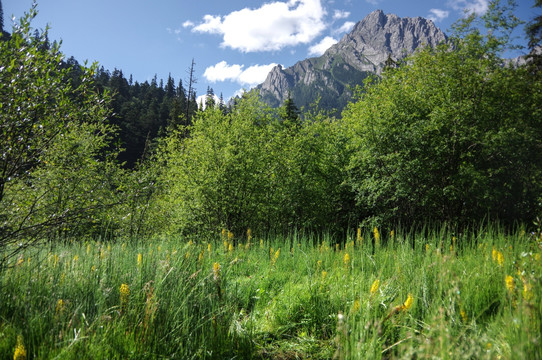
{"x":432,"y":294}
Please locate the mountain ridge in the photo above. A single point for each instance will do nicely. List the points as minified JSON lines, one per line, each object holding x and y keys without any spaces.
{"x":364,"y":51}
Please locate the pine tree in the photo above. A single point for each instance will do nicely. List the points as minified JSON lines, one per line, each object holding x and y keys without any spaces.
{"x":170,"y":87}
{"x":290,"y":113}
{"x":210,"y":98}
{"x":390,"y":63}
{"x":221,"y":104}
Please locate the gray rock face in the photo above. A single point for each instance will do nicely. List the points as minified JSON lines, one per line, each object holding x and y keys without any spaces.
{"x":364,"y":50}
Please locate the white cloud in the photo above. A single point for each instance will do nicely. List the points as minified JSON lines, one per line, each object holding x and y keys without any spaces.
{"x":270,"y":27}
{"x":437,"y":15}
{"x":255,"y":74}
{"x":222,"y":72}
{"x":322,"y":46}
{"x":251,"y":76}
{"x":339,"y":14}
{"x":373,"y":2}
{"x":477,"y":6}
{"x":347,"y":26}
{"x":211,"y":24}
{"x":188,"y":24}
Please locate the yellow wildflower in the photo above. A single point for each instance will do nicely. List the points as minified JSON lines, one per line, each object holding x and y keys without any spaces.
{"x":356,"y":306}
{"x":392,"y":234}
{"x":20,"y":351}
{"x":275,"y":257}
{"x":319,"y":264}
{"x":359,"y":239}
{"x":124,"y":294}
{"x":497,"y":256}
{"x":230,"y":247}
{"x":223,"y":233}
{"x":209,"y":247}
{"x":249,"y":234}
{"x":230,"y":236}
{"x":377,"y":236}
{"x":216,"y":271}
{"x":226,"y":245}
{"x":200,"y":257}
{"x":374,"y":287}
{"x":509,"y":282}
{"x":88,"y":249}
{"x":427,"y":248}
{"x":346,"y":259}
{"x":324,"y":274}
{"x":60,"y":306}
{"x":408,"y":302}
{"x":139,"y":259}
{"x":93,"y":268}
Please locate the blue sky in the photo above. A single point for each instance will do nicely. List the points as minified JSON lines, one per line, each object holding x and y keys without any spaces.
{"x":234,"y":42}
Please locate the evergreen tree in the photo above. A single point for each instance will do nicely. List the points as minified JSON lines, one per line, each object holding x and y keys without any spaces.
{"x":390,"y":63}
{"x":210,"y":98}
{"x":290,"y":113}
{"x":170,"y":87}
{"x":221,"y":104}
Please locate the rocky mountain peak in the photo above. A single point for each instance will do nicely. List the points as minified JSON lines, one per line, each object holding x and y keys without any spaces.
{"x":361,"y":52}
{"x":378,"y":36}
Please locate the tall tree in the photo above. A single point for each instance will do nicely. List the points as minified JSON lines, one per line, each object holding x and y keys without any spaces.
{"x":290,"y":114}
{"x":55,"y":169}
{"x":170,"y":87}
{"x":210,"y":98}
{"x":191,"y":91}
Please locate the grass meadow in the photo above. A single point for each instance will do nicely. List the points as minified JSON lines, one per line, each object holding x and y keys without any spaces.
{"x":372,"y":296}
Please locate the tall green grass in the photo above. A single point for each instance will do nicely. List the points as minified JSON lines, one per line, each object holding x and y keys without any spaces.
{"x":310,"y":299}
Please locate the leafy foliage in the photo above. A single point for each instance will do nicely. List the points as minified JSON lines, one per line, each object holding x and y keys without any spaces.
{"x":247,"y":169}
{"x":453,"y":136}
{"x":54,"y":167}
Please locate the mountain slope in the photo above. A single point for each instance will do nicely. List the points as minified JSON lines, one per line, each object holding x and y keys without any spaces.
{"x":362,"y":52}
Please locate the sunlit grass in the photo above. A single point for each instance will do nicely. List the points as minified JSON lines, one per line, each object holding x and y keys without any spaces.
{"x":374,"y":295}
